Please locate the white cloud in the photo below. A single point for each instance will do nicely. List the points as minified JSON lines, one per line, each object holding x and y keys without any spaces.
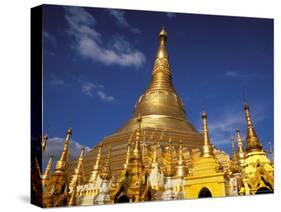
{"x":55,"y":146}
{"x":235,"y":74}
{"x":119,"y":17}
{"x":50,"y":38}
{"x":122,"y":21}
{"x":87,"y":88}
{"x":232,"y":74}
{"x":89,"y":42}
{"x":57,"y":82}
{"x":105,"y":97}
{"x":171,"y":15}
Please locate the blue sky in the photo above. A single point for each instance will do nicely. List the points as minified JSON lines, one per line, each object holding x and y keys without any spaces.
{"x":97,"y":62}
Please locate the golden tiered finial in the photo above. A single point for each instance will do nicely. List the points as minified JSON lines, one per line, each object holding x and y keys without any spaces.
{"x":252,"y":140}
{"x":96,"y":168}
{"x":234,"y":162}
{"x":233,"y":148}
{"x":207,"y":147}
{"x":137,"y":150}
{"x":38,"y":167}
{"x":154,"y":158}
{"x":162,"y":51}
{"x":44,"y":141}
{"x":77,"y":176}
{"x":241,"y":154}
{"x":128,"y":154}
{"x":62,"y":162}
{"x":76,"y":179}
{"x":169,"y":160}
{"x":106,"y":171}
{"x":46,"y":174}
{"x":181,"y":169}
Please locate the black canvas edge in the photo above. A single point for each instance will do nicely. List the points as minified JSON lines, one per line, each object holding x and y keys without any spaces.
{"x":36,"y":101}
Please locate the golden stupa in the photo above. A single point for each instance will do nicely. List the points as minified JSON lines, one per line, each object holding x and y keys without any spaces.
{"x":163,"y":116}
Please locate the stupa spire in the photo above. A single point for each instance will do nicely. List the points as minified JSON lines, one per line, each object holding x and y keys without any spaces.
{"x":234,"y":162}
{"x":128,"y":153}
{"x":106,"y":171}
{"x":207,"y":147}
{"x":233,"y":148}
{"x":181,"y":169}
{"x":252,"y":140}
{"x":62,"y":162}
{"x":77,"y":176}
{"x":48,"y":168}
{"x":161,"y":84}
{"x":241,"y":154}
{"x":96,"y":168}
{"x":137,"y":149}
{"x":161,"y":73}
{"x":169,"y":160}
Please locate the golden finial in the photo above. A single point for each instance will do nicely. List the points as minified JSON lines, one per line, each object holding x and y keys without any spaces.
{"x":143,"y":146}
{"x":62,"y":162}
{"x":241,"y":153}
{"x":106,"y":171}
{"x":44,"y":141}
{"x":137,"y":150}
{"x":96,"y":168}
{"x":38,"y":167}
{"x":233,"y":148}
{"x":163,"y":32}
{"x":252,"y":140}
{"x":48,"y":168}
{"x":77,"y":176}
{"x":154,"y":159}
{"x":234,"y":161}
{"x":169,"y":160}
{"x":207,"y":147}
{"x":180,"y":151}
{"x":128,"y":154}
{"x":181,"y":169}
{"x":162,"y":51}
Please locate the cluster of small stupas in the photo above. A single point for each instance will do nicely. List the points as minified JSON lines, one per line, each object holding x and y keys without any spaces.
{"x":156,"y":155}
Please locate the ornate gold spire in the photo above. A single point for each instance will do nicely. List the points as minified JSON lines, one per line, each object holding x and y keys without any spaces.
{"x":137,"y":149}
{"x":233,"y":148}
{"x":48,"y":169}
{"x":106,"y":171}
{"x":161,"y":84}
{"x":241,"y":154}
{"x":207,"y":147}
{"x":44,"y":141}
{"x":62,"y":162}
{"x":76,"y":179}
{"x":96,"y":168}
{"x":37,"y":166}
{"x":77,"y":176}
{"x":252,"y":140}
{"x":169,"y":161}
{"x":161,"y":73}
{"x":154,"y":157}
{"x":181,"y":169}
{"x":162,"y":51}
{"x":128,"y":153}
{"x":234,"y":162}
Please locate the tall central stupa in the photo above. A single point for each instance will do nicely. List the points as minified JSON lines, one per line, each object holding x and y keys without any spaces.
{"x":163,"y":118}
